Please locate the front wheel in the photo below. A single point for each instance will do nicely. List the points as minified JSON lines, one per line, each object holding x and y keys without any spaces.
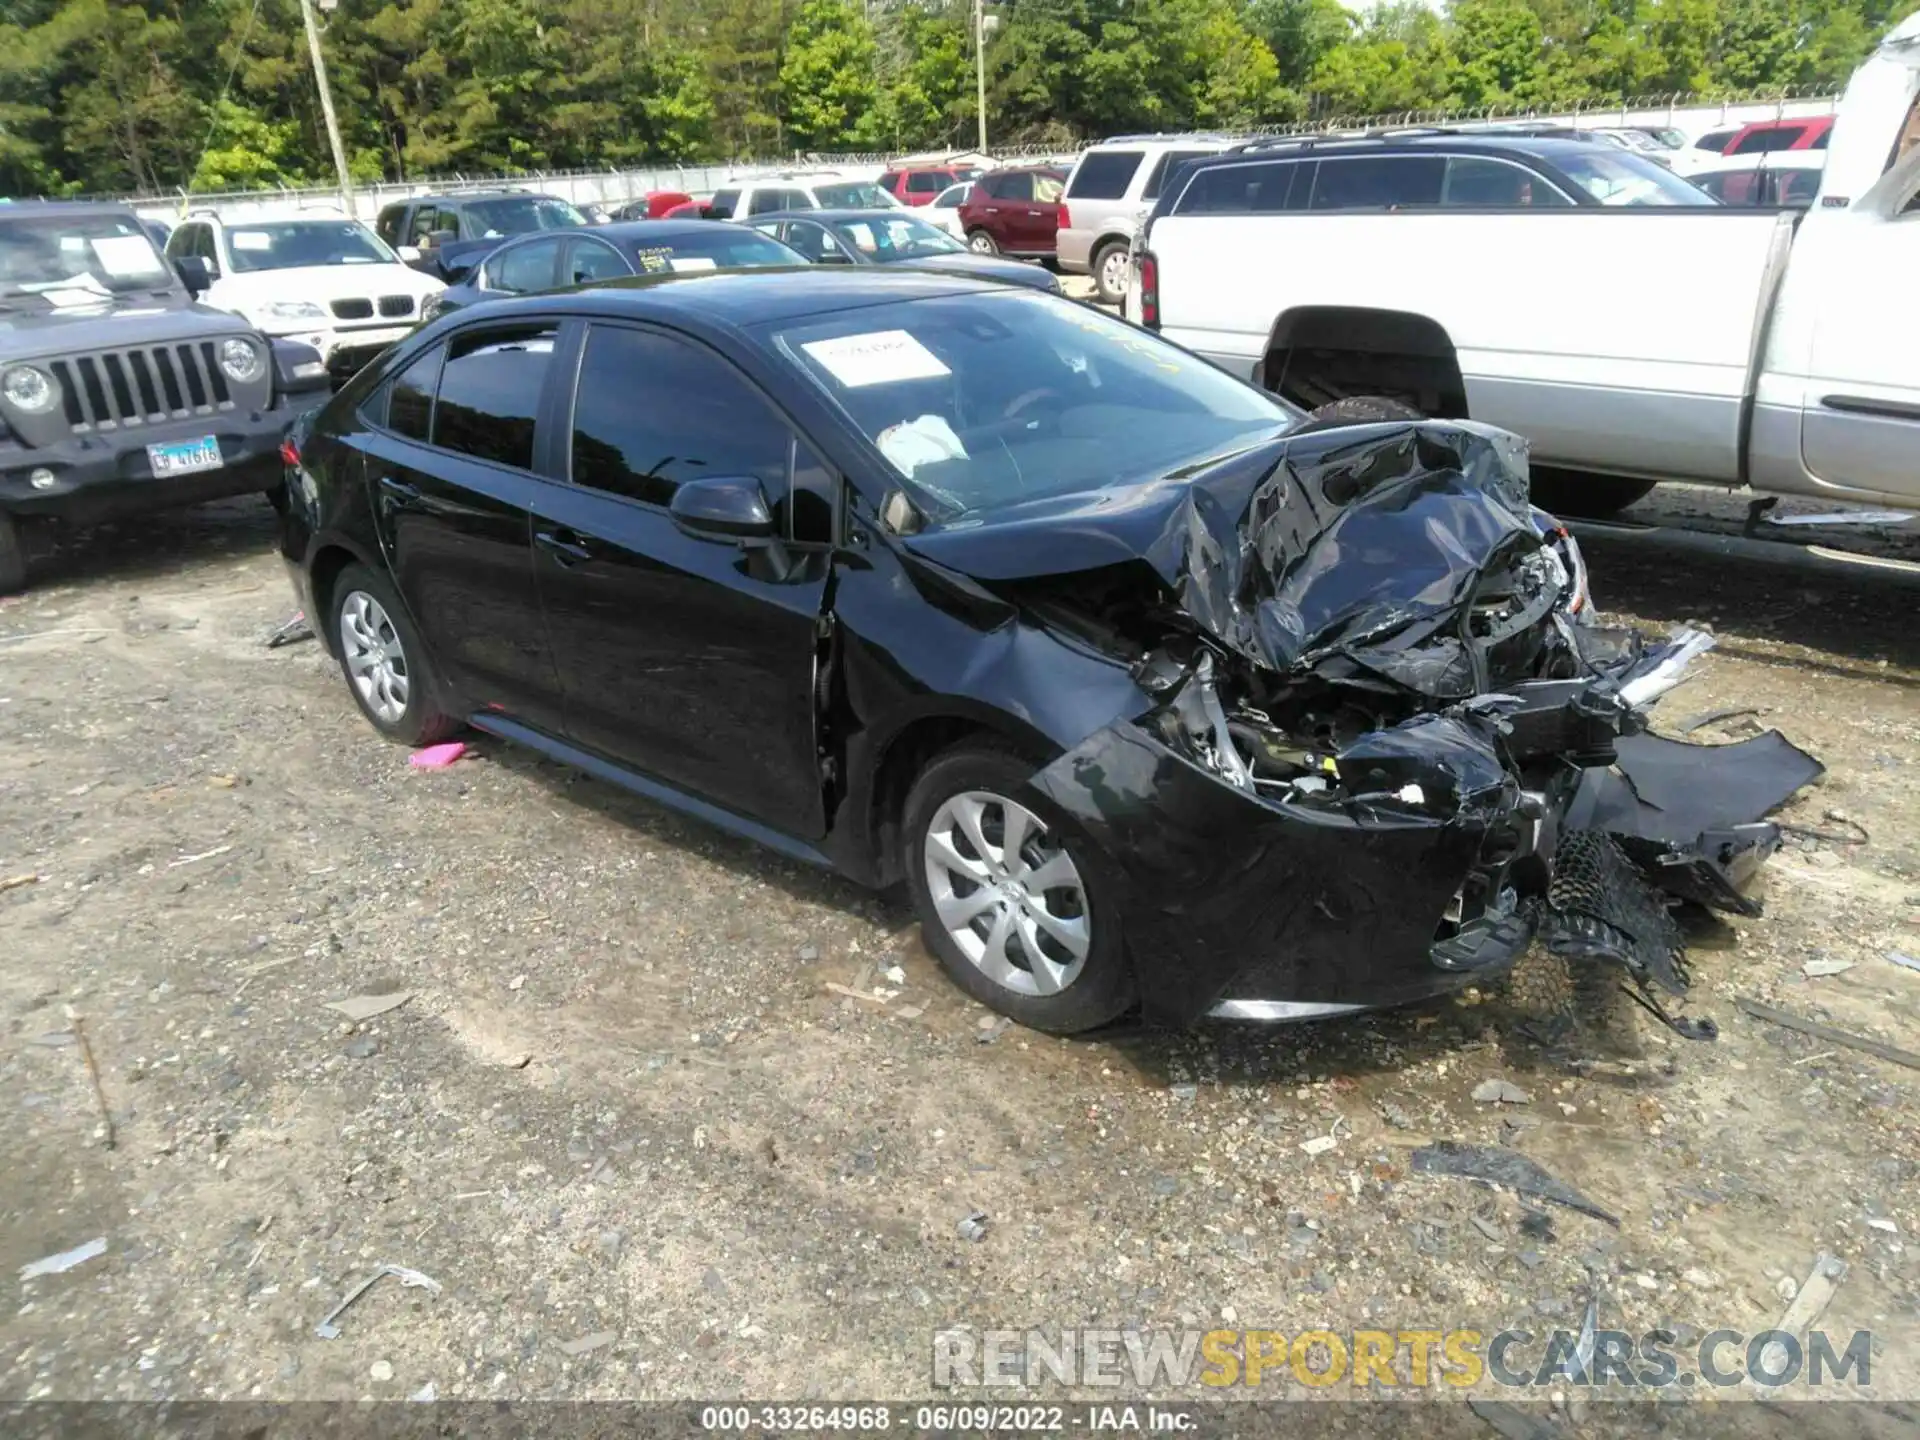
{"x":981,"y":243}
{"x":1592,"y":497}
{"x":386,"y":664}
{"x":1011,"y":895}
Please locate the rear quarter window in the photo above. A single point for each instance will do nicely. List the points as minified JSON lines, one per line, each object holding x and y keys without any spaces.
{"x":1169,"y":161}
{"x":1247,"y":188}
{"x":1103,"y":174}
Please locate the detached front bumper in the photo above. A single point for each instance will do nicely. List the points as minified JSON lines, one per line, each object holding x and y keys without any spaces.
{"x":107,"y":475}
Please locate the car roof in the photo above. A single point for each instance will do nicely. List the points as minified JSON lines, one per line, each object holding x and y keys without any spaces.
{"x":840,"y":212}
{"x":461,"y":197}
{"x":748,"y":297}
{"x":1546,"y":146}
{"x":63,"y":207}
{"x":635,"y":231}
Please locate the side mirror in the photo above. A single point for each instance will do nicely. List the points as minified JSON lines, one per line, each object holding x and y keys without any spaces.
{"x":408,"y":254}
{"x":722,"y":507}
{"x":194,"y":273}
{"x":833,"y":257}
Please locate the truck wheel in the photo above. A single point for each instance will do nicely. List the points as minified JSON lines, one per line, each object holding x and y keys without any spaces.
{"x":1112,"y":268}
{"x":13,"y":556}
{"x":1358,"y":410}
{"x":1593,"y":497}
{"x":981,"y":243}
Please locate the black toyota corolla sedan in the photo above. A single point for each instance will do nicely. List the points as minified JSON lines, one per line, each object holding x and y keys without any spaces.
{"x":1151,"y":693}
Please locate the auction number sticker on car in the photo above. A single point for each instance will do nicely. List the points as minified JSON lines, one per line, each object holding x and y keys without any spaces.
{"x":125,"y":255}
{"x":183,"y":457}
{"x":878,"y":358}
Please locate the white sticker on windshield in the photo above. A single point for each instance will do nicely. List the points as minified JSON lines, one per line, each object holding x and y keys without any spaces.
{"x":876,"y":359}
{"x":692,"y":262}
{"x":249,"y":240}
{"x":125,"y":255}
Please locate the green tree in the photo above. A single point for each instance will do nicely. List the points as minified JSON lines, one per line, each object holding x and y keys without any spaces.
{"x":827,"y":75}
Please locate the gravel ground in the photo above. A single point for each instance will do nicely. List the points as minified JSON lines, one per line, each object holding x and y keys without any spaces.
{"x":661,"y":1121}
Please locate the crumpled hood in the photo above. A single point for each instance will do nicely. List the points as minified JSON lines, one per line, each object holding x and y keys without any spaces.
{"x":1368,"y":541}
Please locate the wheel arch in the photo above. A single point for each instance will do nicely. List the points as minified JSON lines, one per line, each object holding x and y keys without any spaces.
{"x":330,"y":556}
{"x":1315,"y":353}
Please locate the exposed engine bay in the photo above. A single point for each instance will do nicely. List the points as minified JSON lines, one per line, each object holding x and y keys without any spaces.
{"x":1376,"y":636}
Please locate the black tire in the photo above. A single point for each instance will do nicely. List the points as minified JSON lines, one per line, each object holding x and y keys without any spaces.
{"x":1593,"y":497}
{"x":277,"y":498}
{"x":13,"y":556}
{"x":1098,"y":265}
{"x":1358,"y":410}
{"x":982,"y":243}
{"x":1102,"y":988}
{"x":421,"y":720}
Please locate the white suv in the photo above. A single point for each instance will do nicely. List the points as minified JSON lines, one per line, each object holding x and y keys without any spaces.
{"x":1109,"y":194}
{"x":763,"y":194}
{"x":314,"y":276}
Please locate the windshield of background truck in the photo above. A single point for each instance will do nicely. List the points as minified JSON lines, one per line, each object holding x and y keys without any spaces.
{"x":1619,"y":177}
{"x":104,"y":253}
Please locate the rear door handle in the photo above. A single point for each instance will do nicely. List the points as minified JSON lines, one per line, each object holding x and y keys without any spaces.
{"x":565,"y":546}
{"x":398,"y":494}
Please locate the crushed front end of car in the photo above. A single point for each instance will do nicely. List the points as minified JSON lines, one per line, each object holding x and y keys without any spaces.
{"x":1388,"y":748}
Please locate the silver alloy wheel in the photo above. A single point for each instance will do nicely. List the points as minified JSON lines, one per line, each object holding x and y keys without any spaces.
{"x":981,"y":243}
{"x":1115,"y":271}
{"x":1008,"y":894}
{"x":375,"y":659}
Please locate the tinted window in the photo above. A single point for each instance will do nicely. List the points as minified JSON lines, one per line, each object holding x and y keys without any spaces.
{"x":764,"y":202}
{"x":388,"y":225}
{"x":1796,"y":188}
{"x":425,"y":221}
{"x":1714,"y":141}
{"x":489,"y":392}
{"x":1103,"y":174}
{"x":519,"y":215}
{"x":1243,"y":189}
{"x":1778,"y":137}
{"x":926,"y":182}
{"x":410,"y":398}
{"x":653,"y":412}
{"x":1017,"y":185}
{"x":1820,"y":140}
{"x":845,"y":195}
{"x":1374,"y":182}
{"x":591,"y":260}
{"x":953,"y":196}
{"x":721,"y":206}
{"x":1168,"y":162}
{"x":524,"y":267}
{"x":811,"y":240}
{"x":1474,"y":182}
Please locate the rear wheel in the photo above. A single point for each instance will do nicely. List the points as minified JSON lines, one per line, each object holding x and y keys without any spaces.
{"x":13,"y":556}
{"x":385,"y":663}
{"x":981,"y":243}
{"x":1112,"y":268}
{"x":1012,"y":896}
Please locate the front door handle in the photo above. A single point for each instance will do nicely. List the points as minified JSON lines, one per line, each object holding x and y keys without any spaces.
{"x":398,"y":494}
{"x":565,"y":546}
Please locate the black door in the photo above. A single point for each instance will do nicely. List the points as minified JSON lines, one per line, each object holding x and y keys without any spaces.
{"x":691,"y":660}
{"x":449,"y":480}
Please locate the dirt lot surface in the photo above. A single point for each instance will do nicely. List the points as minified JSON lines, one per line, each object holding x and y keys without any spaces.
{"x":659,"y":1124}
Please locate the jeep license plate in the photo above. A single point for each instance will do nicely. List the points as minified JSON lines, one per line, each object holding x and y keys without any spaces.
{"x":183,"y":457}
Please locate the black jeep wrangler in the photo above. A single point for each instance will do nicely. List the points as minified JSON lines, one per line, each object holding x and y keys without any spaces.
{"x":118,"y":394}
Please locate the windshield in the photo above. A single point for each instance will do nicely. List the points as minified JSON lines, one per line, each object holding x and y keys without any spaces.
{"x":983,"y":401}
{"x":904,"y":238}
{"x":1619,"y":177}
{"x":521,"y":215}
{"x":305,"y":242}
{"x":728,"y":247}
{"x":101,"y":253}
{"x":853,"y":195}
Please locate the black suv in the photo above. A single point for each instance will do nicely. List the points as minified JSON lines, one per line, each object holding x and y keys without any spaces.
{"x":118,"y":394}
{"x":1451,"y":166}
{"x":447,"y":235}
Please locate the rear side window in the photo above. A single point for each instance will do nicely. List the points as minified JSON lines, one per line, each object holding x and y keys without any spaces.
{"x":1169,"y":161}
{"x":1820,"y":140}
{"x":722,"y":205}
{"x":1256,"y":188}
{"x":653,"y":412}
{"x":490,"y":392}
{"x":926,"y":182}
{"x":1761,"y":142}
{"x":1014,"y":185}
{"x":410,"y":397}
{"x":1103,"y":174}
{"x":1376,"y":182}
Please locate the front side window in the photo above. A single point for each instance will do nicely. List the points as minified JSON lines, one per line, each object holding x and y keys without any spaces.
{"x":953,"y":197}
{"x":292,"y":243}
{"x":901,"y":238}
{"x":984,"y":402}
{"x":593,"y":261}
{"x":1614,"y":177}
{"x":723,"y":204}
{"x":1476,"y":183}
{"x":653,"y":412}
{"x":519,"y":215}
{"x":812,"y":241}
{"x":523,"y":268}
{"x":1104,"y":174}
{"x":1016,"y":185}
{"x":490,"y":393}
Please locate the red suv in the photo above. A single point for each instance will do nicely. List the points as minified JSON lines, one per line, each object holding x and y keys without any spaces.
{"x":918,"y":184}
{"x":1766,"y":136}
{"x":1014,"y":212}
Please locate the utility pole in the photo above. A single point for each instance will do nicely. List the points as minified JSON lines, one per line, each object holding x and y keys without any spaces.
{"x":326,"y":105}
{"x":980,"y":65}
